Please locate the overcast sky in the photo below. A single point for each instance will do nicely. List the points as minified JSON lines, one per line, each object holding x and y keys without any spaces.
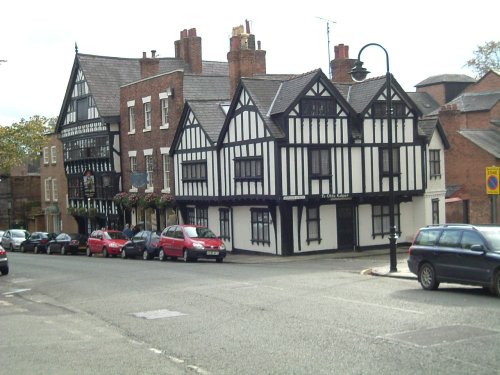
{"x":423,"y":39}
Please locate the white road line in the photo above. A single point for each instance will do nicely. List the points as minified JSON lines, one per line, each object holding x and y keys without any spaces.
{"x":15,"y":291}
{"x":156,"y":351}
{"x":376,"y":305}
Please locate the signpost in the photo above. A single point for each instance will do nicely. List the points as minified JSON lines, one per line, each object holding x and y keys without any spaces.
{"x":493,"y":189}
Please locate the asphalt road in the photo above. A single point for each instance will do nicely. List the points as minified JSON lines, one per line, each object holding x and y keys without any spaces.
{"x":301,"y":315}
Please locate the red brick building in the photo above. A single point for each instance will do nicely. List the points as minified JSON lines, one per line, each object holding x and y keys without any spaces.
{"x":471,"y":121}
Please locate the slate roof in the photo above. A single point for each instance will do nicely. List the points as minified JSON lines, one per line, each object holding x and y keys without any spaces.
{"x":263,"y":92}
{"x":487,"y":139}
{"x":360,"y":94}
{"x":446,"y":78}
{"x":427,"y":127}
{"x":424,"y":102}
{"x":105,"y":75}
{"x":210,"y":116}
{"x":474,"y":102}
{"x":203,"y":87}
{"x":290,"y":90}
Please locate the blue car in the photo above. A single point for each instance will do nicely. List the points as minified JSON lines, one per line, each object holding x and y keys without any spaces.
{"x":144,"y":244}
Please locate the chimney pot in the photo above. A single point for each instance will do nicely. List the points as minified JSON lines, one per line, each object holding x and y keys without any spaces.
{"x":144,"y":55}
{"x":153,"y":53}
{"x":247,"y":23}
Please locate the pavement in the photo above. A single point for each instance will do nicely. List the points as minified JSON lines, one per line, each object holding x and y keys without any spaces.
{"x":384,"y":271}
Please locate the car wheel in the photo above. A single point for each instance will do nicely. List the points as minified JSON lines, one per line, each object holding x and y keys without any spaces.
{"x":88,"y":252}
{"x":123,"y":254}
{"x":185,"y":256}
{"x":35,"y":250}
{"x":21,"y":249}
{"x":63,"y":250}
{"x":105,"y":253}
{"x":162,"y":256}
{"x":495,"y":288}
{"x":219,"y":260}
{"x":11,"y":248}
{"x":49,"y":250}
{"x":5,"y":271}
{"x":427,"y":277}
{"x":146,"y":255}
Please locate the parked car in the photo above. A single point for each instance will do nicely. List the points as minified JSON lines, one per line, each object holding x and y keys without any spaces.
{"x":457,"y":253}
{"x":144,"y":244}
{"x":37,"y":242}
{"x":4,"y":262}
{"x":67,"y":243}
{"x":107,"y":242}
{"x":190,"y":242}
{"x":12,"y":238}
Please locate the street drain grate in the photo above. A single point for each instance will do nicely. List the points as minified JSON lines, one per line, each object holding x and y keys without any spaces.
{"x":441,"y":335}
{"x":157,"y":314}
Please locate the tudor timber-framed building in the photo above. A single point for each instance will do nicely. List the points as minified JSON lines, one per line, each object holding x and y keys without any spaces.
{"x":299,"y":164}
{"x":90,"y":123}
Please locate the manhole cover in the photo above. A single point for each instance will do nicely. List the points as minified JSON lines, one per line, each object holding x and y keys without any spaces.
{"x":441,"y":335}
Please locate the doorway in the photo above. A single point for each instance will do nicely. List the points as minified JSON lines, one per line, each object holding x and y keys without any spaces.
{"x":345,"y":226}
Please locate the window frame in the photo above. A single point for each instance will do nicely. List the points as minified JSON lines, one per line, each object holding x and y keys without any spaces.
{"x":435,"y":163}
{"x":131,"y":119}
{"x":45,"y":155}
{"x":260,"y":226}
{"x":381,"y":220}
{"x":47,"y":191}
{"x":384,"y":161}
{"x":53,"y":154}
{"x":318,"y":107}
{"x":194,"y":171}
{"x":149,"y":163}
{"x":147,"y":116}
{"x":313,"y":220}
{"x":224,"y":224}
{"x":248,"y":168}
{"x":164,"y":112}
{"x":316,"y":171}
{"x":55,"y":191}
{"x":166,"y":172}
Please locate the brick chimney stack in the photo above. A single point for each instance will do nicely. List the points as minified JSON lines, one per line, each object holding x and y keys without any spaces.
{"x":188,"y":48}
{"x":149,"y":66}
{"x":341,"y":65}
{"x":244,"y":60}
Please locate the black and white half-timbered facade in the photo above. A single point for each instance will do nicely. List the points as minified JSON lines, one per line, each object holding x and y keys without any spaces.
{"x":88,"y":127}
{"x":300,"y":164}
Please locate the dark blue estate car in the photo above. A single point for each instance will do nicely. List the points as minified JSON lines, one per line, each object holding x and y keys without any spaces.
{"x":457,"y":253}
{"x":144,"y":244}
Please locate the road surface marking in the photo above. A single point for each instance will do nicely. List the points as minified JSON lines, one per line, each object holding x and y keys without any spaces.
{"x":376,"y":305}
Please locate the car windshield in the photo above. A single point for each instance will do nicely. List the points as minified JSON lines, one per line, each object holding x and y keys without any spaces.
{"x":116,"y":236}
{"x":493,"y":236}
{"x":199,"y":232}
{"x":19,"y":234}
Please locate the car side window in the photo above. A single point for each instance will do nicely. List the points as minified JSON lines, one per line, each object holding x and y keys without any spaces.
{"x":471,"y":238}
{"x":178,"y":233}
{"x":450,"y":238}
{"x":171,"y":232}
{"x":427,"y":237}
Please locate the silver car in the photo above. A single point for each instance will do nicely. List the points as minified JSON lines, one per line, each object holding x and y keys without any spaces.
{"x":12,"y":238}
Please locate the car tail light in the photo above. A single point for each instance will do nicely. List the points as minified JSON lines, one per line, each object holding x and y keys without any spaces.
{"x":44,"y":241}
{"x":2,"y":252}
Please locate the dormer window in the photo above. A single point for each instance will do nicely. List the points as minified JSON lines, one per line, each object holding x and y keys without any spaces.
{"x":379,"y":109}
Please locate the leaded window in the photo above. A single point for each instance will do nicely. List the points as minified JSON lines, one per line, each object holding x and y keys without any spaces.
{"x":384,"y":161}
{"x":224,"y":224}
{"x":320,"y":163}
{"x":313,"y":228}
{"x":381,"y":219}
{"x":248,"y":168}
{"x":202,"y":216}
{"x":260,"y":226}
{"x":194,"y":171}
{"x":318,"y":107}
{"x":379,"y":109}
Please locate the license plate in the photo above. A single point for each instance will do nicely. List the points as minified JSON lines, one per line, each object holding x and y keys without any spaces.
{"x":212,"y":252}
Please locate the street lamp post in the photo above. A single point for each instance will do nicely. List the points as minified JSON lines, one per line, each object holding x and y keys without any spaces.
{"x":358,"y":73}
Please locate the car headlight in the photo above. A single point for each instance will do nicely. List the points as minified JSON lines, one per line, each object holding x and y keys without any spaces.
{"x":115,"y":245}
{"x":222,"y":247}
{"x":197,"y":245}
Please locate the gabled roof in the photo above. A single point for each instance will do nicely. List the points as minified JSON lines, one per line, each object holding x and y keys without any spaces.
{"x":291,"y":89}
{"x":105,"y":75}
{"x":263,"y":92}
{"x":428,"y":126}
{"x":210,"y":116}
{"x":446,"y":78}
{"x":487,"y":139}
{"x":360,"y":95}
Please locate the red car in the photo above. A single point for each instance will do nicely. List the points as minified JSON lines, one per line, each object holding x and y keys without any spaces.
{"x":190,"y":242}
{"x":107,"y":242}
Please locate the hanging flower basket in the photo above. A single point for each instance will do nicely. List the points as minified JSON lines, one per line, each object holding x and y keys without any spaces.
{"x":166,"y":200}
{"x":149,"y":200}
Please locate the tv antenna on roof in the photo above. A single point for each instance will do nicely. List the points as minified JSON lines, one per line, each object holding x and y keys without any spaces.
{"x":328,"y":38}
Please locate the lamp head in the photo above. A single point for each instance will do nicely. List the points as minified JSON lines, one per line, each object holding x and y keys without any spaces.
{"x":358,"y":73}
